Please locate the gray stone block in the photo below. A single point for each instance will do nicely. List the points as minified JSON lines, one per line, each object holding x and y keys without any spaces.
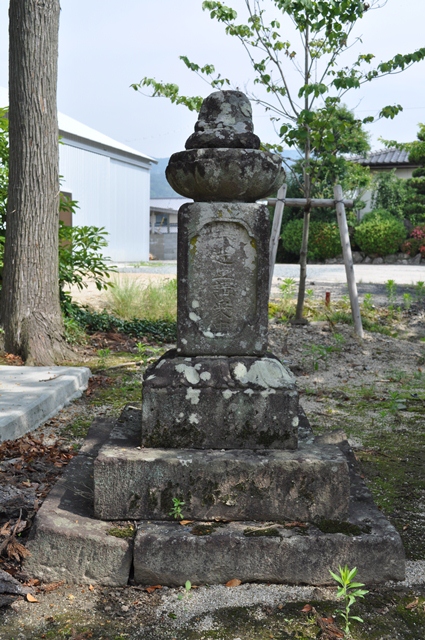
{"x":219,"y":403}
{"x":66,"y":542}
{"x":307,"y":484}
{"x":223,"y":276}
{"x":170,"y":554}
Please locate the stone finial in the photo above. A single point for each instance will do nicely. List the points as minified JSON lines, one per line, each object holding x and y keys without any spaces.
{"x":223,"y":161}
{"x":225,"y":121}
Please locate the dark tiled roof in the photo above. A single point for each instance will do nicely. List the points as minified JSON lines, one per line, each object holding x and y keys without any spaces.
{"x":385,"y":157}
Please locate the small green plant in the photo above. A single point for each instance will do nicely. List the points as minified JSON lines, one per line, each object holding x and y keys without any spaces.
{"x":349,"y":591}
{"x":176,"y":509}
{"x":141,"y":347}
{"x":368,"y":302}
{"x":287,"y":288}
{"x":420,"y":290}
{"x":309,"y":293}
{"x":187,"y":588}
{"x":407,"y":301}
{"x":103,"y":354}
{"x":391,"y":288}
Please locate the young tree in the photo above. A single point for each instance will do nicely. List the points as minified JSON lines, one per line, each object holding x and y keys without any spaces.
{"x":415,"y":207}
{"x":305,"y":113}
{"x":30,"y":308}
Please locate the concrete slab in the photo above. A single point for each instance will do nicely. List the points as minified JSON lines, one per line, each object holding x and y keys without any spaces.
{"x":31,"y":395}
{"x":66,"y":542}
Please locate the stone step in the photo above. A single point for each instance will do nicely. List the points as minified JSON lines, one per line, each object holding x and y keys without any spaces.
{"x":170,"y":554}
{"x":308,"y":484}
{"x":68,"y":543}
{"x":219,"y":402}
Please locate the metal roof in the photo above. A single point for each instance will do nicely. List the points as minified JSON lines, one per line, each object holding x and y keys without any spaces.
{"x":168,"y":204}
{"x":385,"y":157}
{"x":74,"y":128}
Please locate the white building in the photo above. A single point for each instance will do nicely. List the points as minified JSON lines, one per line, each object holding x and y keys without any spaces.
{"x":110,"y":182}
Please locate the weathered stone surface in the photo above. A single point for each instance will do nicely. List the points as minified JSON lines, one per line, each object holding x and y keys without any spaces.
{"x":225,"y":120}
{"x":225,"y":175}
{"x":169,"y":554}
{"x":307,"y":484}
{"x":220,"y":403}
{"x":223,"y":277}
{"x":66,"y":542}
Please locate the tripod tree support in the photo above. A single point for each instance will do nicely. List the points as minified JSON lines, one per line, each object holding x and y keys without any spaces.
{"x":340,"y":204}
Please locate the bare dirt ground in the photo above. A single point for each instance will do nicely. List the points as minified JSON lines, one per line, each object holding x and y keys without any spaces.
{"x":373,"y":388}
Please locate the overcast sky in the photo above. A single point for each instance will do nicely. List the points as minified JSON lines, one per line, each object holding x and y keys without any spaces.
{"x":106,"y":45}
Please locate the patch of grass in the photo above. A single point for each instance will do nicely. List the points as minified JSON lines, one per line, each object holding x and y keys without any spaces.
{"x":77,"y":428}
{"x":129,"y":299}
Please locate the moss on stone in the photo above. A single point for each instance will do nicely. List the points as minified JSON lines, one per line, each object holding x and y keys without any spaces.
{"x":270,"y":532}
{"x":205,"y":528}
{"x":346,"y":528}
{"x":122,"y":532}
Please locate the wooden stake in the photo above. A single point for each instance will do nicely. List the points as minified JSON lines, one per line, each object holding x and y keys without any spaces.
{"x":275,"y":233}
{"x":348,"y":260}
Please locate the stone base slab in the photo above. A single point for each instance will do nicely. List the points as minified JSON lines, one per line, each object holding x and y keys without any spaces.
{"x":66,"y":542}
{"x":307,"y":484}
{"x":169,"y":554}
{"x":219,"y":402}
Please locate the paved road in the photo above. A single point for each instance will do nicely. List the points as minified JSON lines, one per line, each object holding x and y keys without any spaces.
{"x":366,"y":273}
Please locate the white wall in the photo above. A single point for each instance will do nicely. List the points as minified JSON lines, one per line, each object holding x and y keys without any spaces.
{"x":111,"y":193}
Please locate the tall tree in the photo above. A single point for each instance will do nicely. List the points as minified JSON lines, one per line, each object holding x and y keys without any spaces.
{"x":30,"y":309}
{"x":304,"y":112}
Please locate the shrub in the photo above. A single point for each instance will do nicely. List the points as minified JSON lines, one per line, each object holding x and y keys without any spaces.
{"x":379,"y":233}
{"x":324,"y":240}
{"x":416,"y":242}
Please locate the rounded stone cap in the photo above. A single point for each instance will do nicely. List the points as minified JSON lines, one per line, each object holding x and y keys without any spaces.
{"x":225,"y":121}
{"x":225,"y":175}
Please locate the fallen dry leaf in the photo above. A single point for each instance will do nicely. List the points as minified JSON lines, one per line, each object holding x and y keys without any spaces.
{"x":307,"y":608}
{"x":233,"y":583}
{"x":153,"y":588}
{"x":412,"y":605}
{"x":185,"y":522}
{"x":52,"y":586}
{"x":31,"y":598}
{"x":91,"y":587}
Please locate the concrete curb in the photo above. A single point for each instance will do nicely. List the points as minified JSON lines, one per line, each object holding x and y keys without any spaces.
{"x":66,"y":542}
{"x":31,"y":395}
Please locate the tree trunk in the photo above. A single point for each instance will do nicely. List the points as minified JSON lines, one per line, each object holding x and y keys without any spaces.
{"x":30,"y":296}
{"x":307,"y":193}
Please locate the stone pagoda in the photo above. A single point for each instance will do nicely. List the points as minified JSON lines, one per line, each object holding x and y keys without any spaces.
{"x":221,"y":431}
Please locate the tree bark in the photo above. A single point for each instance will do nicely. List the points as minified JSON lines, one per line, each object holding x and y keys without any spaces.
{"x":31,"y":312}
{"x":307,"y":193}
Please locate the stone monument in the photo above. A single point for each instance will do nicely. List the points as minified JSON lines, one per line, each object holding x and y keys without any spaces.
{"x":220,"y":432}
{"x":220,"y":418}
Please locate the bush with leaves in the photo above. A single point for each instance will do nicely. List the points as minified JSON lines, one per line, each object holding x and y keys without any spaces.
{"x":416,"y":242}
{"x":379,"y":233}
{"x":81,"y":259}
{"x":390,"y":193}
{"x":324,"y":240}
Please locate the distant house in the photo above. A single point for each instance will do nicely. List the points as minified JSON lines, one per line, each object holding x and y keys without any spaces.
{"x":386,"y":160}
{"x":163,"y":232}
{"x":110,"y":182}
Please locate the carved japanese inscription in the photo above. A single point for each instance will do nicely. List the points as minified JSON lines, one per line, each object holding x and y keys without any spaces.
{"x":222,"y":279}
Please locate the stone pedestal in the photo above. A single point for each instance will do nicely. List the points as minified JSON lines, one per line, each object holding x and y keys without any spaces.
{"x":222,"y":279}
{"x":220,"y":402}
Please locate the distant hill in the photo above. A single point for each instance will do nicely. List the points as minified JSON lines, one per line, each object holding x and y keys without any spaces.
{"x":161,"y":189}
{"x":159,"y":185}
